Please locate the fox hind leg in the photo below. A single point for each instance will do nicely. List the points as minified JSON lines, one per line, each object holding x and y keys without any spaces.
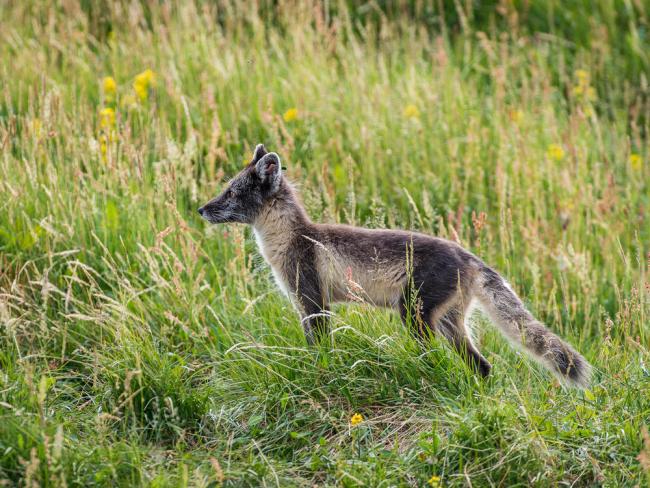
{"x":425,"y":319}
{"x":452,"y":325}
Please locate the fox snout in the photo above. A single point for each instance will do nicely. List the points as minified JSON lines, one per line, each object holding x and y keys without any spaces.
{"x":213,"y":212}
{"x":203,"y":211}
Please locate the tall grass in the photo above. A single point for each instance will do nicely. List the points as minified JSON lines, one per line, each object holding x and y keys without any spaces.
{"x":139,"y":346}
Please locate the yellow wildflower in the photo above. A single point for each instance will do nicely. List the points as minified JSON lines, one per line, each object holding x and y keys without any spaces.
{"x":411,"y":112}
{"x":106,"y":140}
{"x":434,"y":481}
{"x":635,"y":161}
{"x":103,"y":146}
{"x":583,"y":90}
{"x":147,"y":77}
{"x":141,"y":91}
{"x":110,"y":87}
{"x":555,"y":152}
{"x":290,"y":115}
{"x":356,"y":419}
{"x":582,"y":75}
{"x":143,"y":82}
{"x":107,"y":118}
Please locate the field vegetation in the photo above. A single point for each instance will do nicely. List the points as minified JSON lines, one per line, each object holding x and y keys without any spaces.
{"x":140,"y":346}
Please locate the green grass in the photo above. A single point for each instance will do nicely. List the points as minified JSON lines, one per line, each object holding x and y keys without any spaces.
{"x":138,"y":346}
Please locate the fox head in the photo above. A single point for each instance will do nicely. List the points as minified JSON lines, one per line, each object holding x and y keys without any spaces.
{"x":247,"y":192}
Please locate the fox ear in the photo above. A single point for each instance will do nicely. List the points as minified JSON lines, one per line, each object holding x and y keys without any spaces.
{"x":269,"y":169}
{"x":260,"y":152}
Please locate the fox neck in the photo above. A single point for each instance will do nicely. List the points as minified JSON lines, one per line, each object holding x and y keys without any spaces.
{"x":279,"y":221}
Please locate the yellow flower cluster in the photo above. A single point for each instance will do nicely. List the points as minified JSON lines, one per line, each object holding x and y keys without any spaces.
{"x":411,"y":112}
{"x":107,"y":128}
{"x":636,"y":161}
{"x":584,"y":93}
{"x":107,"y":115}
{"x":356,"y":419}
{"x":110,"y":88}
{"x":104,"y":140}
{"x":290,"y":115}
{"x":142,"y":83}
{"x":434,"y":481}
{"x":555,"y":152}
{"x":107,"y":118}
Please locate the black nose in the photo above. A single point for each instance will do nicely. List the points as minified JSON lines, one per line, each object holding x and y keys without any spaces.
{"x":201,"y":210}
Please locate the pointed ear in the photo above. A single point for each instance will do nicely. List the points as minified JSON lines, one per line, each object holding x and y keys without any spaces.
{"x":260,"y":152}
{"x":269,"y":170}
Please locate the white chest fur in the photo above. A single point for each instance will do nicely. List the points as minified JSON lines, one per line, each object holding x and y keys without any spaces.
{"x":273,"y":249}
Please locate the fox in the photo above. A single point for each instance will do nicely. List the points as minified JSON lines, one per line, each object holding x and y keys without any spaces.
{"x":433,"y":283}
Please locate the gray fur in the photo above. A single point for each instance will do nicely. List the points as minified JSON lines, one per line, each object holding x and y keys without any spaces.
{"x":432,"y":282}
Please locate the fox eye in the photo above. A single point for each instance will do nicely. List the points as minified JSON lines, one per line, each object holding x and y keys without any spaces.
{"x":229,"y":193}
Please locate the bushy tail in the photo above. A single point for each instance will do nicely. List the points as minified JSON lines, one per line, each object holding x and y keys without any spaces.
{"x":508,"y":312}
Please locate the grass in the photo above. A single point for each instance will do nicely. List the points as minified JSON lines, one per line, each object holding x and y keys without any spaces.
{"x":139,"y":346}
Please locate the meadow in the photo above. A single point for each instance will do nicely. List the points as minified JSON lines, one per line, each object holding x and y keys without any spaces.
{"x":140,"y":346}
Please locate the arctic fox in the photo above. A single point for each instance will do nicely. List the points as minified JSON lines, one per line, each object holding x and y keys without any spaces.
{"x":431,"y":281}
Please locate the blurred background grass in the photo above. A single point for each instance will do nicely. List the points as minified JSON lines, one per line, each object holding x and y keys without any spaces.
{"x":141,"y":347}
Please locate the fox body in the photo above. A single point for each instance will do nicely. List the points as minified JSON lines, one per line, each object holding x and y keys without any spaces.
{"x":431,"y":282}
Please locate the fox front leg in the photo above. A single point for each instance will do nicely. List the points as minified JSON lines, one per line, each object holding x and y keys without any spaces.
{"x":310,"y":301}
{"x":315,"y":323}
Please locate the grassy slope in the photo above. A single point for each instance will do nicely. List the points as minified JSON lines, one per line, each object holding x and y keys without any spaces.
{"x":138,"y":346}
